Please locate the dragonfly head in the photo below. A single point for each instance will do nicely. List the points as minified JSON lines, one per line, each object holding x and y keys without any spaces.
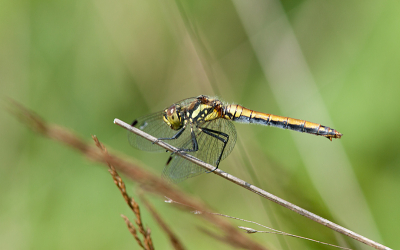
{"x":172,"y":117}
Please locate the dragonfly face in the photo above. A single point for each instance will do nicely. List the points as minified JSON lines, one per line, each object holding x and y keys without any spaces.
{"x":202,"y":126}
{"x":173,"y":117}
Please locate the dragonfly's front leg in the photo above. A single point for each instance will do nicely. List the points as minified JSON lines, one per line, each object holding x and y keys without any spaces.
{"x":179,"y":133}
{"x":194,"y":144}
{"x":217,"y":135}
{"x":175,"y":136}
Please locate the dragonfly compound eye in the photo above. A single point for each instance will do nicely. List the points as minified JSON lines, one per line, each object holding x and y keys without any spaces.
{"x":173,"y":118}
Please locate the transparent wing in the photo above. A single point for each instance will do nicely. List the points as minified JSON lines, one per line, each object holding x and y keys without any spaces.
{"x":154,"y":125}
{"x":179,"y":169}
{"x":186,"y":102}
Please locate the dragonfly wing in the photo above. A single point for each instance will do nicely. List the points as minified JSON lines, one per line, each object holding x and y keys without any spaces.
{"x":186,"y":102}
{"x":179,"y":169}
{"x":212,"y":147}
{"x":154,"y":125}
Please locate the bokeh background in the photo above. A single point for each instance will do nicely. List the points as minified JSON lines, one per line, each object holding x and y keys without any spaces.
{"x":81,"y":64}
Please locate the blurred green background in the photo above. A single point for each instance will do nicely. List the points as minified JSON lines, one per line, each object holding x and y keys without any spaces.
{"x":81,"y":64}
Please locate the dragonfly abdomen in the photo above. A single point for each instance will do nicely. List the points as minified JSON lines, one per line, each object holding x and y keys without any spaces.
{"x":241,"y":114}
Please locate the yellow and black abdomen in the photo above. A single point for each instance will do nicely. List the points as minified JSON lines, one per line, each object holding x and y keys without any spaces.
{"x":241,"y":114}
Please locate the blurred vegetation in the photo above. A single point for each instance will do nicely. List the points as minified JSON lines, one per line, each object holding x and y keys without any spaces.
{"x":83,"y":63}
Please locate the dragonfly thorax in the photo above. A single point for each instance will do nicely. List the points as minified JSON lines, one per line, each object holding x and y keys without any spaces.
{"x":172,"y":117}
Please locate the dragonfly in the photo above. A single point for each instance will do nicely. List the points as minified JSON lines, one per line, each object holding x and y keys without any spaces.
{"x":202,"y":127}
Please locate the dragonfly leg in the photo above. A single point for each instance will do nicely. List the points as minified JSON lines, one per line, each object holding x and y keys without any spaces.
{"x":194,"y":143}
{"x":175,"y":136}
{"x":217,"y":135}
